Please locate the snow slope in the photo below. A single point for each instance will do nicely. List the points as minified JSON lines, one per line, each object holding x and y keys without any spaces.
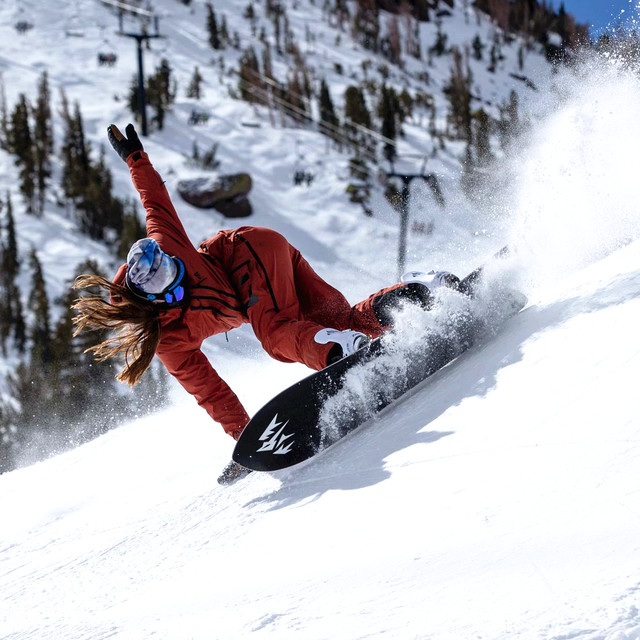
{"x":500,"y":499}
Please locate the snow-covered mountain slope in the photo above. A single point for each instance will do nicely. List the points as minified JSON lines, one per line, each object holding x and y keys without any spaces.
{"x":320,"y":218}
{"x":501,"y":499}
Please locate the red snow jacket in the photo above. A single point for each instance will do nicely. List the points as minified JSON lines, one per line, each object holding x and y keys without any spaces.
{"x":249,"y":274}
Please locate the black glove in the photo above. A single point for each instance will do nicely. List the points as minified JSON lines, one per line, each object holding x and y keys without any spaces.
{"x":125,"y":146}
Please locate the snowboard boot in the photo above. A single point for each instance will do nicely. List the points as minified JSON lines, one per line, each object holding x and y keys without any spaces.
{"x":417,"y":288}
{"x":432,"y":280}
{"x":385,"y":305}
{"x":232,"y":473}
{"x":346,"y":342}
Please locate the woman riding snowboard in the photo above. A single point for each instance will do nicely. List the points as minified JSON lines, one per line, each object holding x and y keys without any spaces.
{"x":170,"y":296}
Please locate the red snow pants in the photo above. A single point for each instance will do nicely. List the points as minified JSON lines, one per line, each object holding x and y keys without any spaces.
{"x":287,"y":302}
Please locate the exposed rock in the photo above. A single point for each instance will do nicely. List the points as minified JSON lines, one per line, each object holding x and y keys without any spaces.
{"x":238,"y":207}
{"x":209,"y":191}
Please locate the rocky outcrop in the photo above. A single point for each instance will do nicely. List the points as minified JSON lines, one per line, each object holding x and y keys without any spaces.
{"x":227,"y":193}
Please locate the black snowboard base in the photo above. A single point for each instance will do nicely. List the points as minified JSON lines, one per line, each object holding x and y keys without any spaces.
{"x":317,"y":411}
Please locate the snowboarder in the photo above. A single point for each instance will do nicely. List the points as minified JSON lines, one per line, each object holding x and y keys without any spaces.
{"x":169,"y":296}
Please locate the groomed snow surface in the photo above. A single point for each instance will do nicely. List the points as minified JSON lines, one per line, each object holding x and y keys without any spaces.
{"x":501,"y":499}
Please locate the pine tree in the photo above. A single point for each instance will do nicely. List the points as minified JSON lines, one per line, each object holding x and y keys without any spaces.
{"x":74,"y":153}
{"x":10,"y":263}
{"x":224,"y":32}
{"x":19,"y":326}
{"x":249,"y":83}
{"x":194,"y":90}
{"x":250,"y":15}
{"x":11,"y":317}
{"x":328,"y":118}
{"x":86,"y":183}
{"x":387,"y":110}
{"x":43,"y":139}
{"x":22,"y":146}
{"x":11,"y":271}
{"x":160,"y":92}
{"x":439,"y":47}
{"x":405,"y":104}
{"x":355,"y":107}
{"x":509,"y":125}
{"x":5,"y":312}
{"x":494,"y":57}
{"x":99,"y":213}
{"x":357,"y":113}
{"x":5,"y":131}
{"x":133,"y":95}
{"x":477,"y":47}
{"x":458,"y":92}
{"x":40,"y":334}
{"x":212,"y":28}
{"x":482,"y":137}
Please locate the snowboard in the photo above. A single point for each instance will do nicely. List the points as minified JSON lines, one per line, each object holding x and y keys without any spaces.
{"x":320,"y":409}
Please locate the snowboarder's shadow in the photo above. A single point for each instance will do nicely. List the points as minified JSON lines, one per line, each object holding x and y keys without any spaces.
{"x":360,"y":459}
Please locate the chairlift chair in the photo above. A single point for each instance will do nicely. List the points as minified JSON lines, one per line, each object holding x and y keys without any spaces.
{"x":22,"y":24}
{"x":106,"y":52}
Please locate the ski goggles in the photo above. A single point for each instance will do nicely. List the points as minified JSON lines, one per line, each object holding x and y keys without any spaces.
{"x":173,"y":295}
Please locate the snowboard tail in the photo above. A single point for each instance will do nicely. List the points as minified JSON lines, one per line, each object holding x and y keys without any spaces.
{"x":300,"y":421}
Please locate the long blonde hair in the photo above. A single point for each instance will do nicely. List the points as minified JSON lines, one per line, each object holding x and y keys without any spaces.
{"x":135,"y":322}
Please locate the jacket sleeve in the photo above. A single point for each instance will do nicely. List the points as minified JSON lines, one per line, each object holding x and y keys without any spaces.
{"x":163,"y":224}
{"x":194,"y":372}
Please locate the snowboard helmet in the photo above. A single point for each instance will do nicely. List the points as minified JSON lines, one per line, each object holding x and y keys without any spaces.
{"x":154,"y":275}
